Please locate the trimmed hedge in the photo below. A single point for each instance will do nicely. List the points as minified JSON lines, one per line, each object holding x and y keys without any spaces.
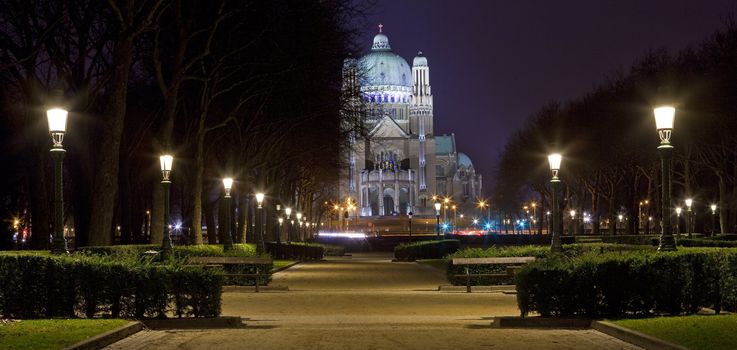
{"x":540,"y":252}
{"x":77,"y":286}
{"x":629,"y":284}
{"x":694,"y":242}
{"x":296,"y":250}
{"x":426,"y":249}
{"x":133,"y":253}
{"x":651,"y":240}
{"x":136,"y":250}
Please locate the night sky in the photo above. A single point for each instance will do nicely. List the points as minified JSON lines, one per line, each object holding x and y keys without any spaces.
{"x":495,"y":63}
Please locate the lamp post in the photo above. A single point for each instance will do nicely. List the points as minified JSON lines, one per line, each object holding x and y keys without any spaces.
{"x":713,"y":219}
{"x":689,"y":216}
{"x":573,"y":221}
{"x":678,"y":220}
{"x":260,"y":216}
{"x":166,"y":163}
{"x":664,"y":116}
{"x":57,"y":118}
{"x":437,"y":219}
{"x":620,"y":217}
{"x":410,"y":226}
{"x":554,"y":160}
{"x":228,"y":239}
{"x":299,"y":220}
{"x":288,"y":211}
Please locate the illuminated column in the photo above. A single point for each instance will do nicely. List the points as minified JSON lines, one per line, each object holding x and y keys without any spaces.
{"x":381,"y":192}
{"x":396,"y":192}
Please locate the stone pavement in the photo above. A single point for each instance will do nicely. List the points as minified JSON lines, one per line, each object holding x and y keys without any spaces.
{"x":368,"y":302}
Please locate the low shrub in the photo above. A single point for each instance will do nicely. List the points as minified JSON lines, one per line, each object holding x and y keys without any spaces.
{"x":332,"y":250}
{"x":632,"y":239}
{"x":618,"y":284}
{"x":724,"y":237}
{"x":134,"y":251}
{"x":426,"y":249}
{"x":703,"y":242}
{"x":540,"y":252}
{"x":81,"y":286}
{"x":296,"y":250}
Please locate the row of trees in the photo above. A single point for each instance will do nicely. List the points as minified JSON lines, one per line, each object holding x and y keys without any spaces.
{"x":608,"y":140}
{"x":249,"y":89}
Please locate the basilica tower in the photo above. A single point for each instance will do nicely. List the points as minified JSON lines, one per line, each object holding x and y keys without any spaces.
{"x":420,"y":112}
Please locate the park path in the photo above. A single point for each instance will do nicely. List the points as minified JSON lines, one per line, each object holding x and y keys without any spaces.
{"x":367,"y":302}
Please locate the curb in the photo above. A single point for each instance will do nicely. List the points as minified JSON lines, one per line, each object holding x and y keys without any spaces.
{"x":508,"y":288}
{"x":540,"y":322}
{"x":102,"y":340}
{"x":194,"y":323}
{"x":252,"y":289}
{"x":633,"y":337}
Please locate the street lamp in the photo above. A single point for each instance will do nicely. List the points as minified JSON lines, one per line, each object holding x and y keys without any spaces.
{"x":554,"y":160}
{"x":713,"y":217}
{"x":664,"y":116}
{"x":166,"y":163}
{"x":57,"y":118}
{"x":678,"y":220}
{"x":410,"y":226}
{"x":437,"y":219}
{"x":260,"y":218}
{"x":689,"y":216}
{"x":288,"y":212}
{"x":299,"y":220}
{"x":228,"y":237}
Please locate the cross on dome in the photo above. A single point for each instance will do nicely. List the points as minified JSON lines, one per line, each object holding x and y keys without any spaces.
{"x":381,"y":26}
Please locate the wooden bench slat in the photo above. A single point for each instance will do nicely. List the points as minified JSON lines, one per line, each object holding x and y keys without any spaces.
{"x":227,"y":260}
{"x":494,"y":261}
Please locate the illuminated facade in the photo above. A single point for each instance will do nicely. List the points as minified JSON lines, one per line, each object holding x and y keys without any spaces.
{"x":403,"y":163}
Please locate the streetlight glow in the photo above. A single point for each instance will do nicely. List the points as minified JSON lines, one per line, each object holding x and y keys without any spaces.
{"x":554,"y":159}
{"x":664,"y":117}
{"x":227,"y":184}
{"x":260,"y":198}
{"x":166,"y":161}
{"x":689,"y":202}
{"x":713,"y":208}
{"x":57,"y":118}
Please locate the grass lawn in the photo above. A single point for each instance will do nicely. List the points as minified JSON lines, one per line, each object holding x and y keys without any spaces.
{"x":693,"y":332}
{"x":281,"y":263}
{"x":440,"y":264}
{"x":52,"y":333}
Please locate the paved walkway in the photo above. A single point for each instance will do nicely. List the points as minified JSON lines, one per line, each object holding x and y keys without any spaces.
{"x":368,"y":302}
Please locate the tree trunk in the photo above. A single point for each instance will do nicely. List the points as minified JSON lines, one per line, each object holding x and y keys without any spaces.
{"x":198,"y":188}
{"x":242,"y":214}
{"x":595,"y":217}
{"x":723,"y":200}
{"x":40,"y":202}
{"x":105,"y":183}
{"x":210,"y":222}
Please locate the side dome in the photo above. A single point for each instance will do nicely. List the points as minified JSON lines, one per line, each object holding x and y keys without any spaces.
{"x":464,"y":160}
{"x":382,"y":67}
{"x":420,"y":60}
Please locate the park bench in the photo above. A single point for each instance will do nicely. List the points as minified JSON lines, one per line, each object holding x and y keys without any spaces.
{"x":513,"y":264}
{"x":221,"y":261}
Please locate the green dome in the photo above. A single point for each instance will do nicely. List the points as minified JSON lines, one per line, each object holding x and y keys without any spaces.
{"x":382,"y":67}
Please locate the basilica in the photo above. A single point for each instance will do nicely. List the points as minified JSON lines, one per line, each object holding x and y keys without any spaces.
{"x":402,"y":164}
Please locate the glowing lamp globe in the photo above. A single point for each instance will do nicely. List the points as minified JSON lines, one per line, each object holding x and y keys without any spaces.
{"x":227,"y":184}
{"x":166,"y":163}
{"x":664,"y":117}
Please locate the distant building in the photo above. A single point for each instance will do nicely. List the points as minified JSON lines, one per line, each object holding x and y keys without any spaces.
{"x":403,"y":164}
